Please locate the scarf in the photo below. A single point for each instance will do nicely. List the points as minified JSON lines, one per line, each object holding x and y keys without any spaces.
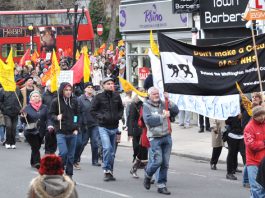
{"x":36,"y":106}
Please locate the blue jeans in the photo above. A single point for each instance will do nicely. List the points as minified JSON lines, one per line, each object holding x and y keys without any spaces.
{"x":257,"y":191}
{"x":66,"y":145}
{"x":245,"y":175}
{"x":159,"y":158}
{"x":2,"y":133}
{"x":78,"y":147}
{"x":108,"y":139}
{"x":93,"y":134}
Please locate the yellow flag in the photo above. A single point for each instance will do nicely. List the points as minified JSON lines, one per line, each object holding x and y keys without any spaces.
{"x":95,"y":53}
{"x":55,"y":70}
{"x":153,"y":45}
{"x":129,"y":87}
{"x":120,"y":43}
{"x":77,"y":55}
{"x":245,"y":101}
{"x":111,"y":47}
{"x":7,"y":76}
{"x":86,"y":68}
{"x":9,"y":60}
{"x":84,"y":49}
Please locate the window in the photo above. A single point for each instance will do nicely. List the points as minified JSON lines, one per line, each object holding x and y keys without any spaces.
{"x":11,"y":20}
{"x":34,"y":46}
{"x":35,"y":20}
{"x":81,"y":44}
{"x":58,"y":19}
{"x":18,"y":49}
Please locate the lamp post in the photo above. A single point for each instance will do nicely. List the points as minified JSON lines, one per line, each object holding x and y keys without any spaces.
{"x":30,"y":28}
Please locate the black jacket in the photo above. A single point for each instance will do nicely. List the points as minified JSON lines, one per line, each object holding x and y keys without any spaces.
{"x":69,"y":110}
{"x":132,"y":122}
{"x":9,"y":104}
{"x":39,"y":117}
{"x":107,"y":108}
{"x":235,"y":125}
{"x":86,"y":119}
{"x":47,"y":98}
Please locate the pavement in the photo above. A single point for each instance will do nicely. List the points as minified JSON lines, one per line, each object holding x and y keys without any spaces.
{"x":189,"y":143}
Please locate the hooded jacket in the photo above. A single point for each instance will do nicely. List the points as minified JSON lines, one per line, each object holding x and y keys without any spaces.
{"x":69,"y":110}
{"x":52,"y":186}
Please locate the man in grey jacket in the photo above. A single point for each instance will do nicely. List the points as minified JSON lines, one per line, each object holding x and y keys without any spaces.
{"x":159,"y":133}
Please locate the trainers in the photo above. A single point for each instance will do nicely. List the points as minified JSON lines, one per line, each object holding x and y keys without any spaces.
{"x":96,"y":164}
{"x":77,"y":166}
{"x":147,"y":183}
{"x":134,"y":174}
{"x":163,"y":191}
{"x":13,"y":146}
{"x":109,"y":177}
{"x":213,"y":167}
{"x":8,"y":146}
{"x":231,"y":176}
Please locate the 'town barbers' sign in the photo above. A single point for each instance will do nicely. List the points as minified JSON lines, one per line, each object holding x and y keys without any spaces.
{"x":222,"y":13}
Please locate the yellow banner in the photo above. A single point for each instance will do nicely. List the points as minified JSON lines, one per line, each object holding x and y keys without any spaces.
{"x":127,"y":86}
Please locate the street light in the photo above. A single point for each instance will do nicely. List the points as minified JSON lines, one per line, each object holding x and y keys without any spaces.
{"x":30,"y":28}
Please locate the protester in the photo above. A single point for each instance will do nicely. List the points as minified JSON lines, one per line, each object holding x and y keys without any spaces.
{"x":107,"y":108}
{"x":96,"y":77}
{"x":139,"y":152}
{"x":66,"y":124}
{"x":51,"y":182}
{"x":254,"y":137}
{"x":217,"y":143}
{"x":184,"y":119}
{"x":10,"y":105}
{"x":50,"y":136}
{"x":156,"y":119}
{"x":27,"y":89}
{"x":207,"y":123}
{"x":34,"y":116}
{"x":89,"y":127}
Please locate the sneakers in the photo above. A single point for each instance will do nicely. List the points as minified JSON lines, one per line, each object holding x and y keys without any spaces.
{"x":108,"y":176}
{"x":147,"y":183}
{"x":13,"y":146}
{"x":77,"y":166}
{"x":213,"y":167}
{"x":231,"y":176}
{"x":96,"y":164}
{"x":8,"y":146}
{"x":134,"y":174}
{"x":163,"y":191}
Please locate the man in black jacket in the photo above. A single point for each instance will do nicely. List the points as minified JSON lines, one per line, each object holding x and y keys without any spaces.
{"x":10,"y":107}
{"x":66,"y":124}
{"x":89,"y":127}
{"x":107,"y":108}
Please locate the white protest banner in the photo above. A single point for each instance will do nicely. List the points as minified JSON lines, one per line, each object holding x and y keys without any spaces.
{"x":66,"y":76}
{"x":215,"y":107}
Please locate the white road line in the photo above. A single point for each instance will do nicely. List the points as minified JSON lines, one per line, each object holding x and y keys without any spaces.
{"x":195,"y":174}
{"x":104,"y":190}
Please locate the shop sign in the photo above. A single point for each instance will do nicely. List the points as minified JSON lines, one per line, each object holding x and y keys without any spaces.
{"x":143,"y":73}
{"x":222,"y":13}
{"x":185,"y":6}
{"x":151,"y":15}
{"x":12,"y":32}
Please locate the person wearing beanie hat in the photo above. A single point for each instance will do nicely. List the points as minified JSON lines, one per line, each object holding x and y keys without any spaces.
{"x":66,"y":124}
{"x":34,"y":116}
{"x":51,"y":182}
{"x":254,"y":137}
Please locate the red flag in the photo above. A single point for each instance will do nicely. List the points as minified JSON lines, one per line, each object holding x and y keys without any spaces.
{"x":116,"y":57}
{"x":47,"y":76}
{"x":35,"y":56}
{"x":24,"y":58}
{"x":78,"y":70}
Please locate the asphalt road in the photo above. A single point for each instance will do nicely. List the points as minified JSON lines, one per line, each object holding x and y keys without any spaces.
{"x":187,"y":178}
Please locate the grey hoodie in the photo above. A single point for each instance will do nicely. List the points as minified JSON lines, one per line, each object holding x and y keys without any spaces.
{"x":52,"y":186}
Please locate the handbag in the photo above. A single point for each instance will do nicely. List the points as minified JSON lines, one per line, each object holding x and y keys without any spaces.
{"x":32,"y":128}
{"x":140,"y":122}
{"x":144,"y":140}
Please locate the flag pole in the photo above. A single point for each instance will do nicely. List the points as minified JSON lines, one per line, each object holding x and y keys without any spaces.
{"x":256,"y":55}
{"x":21,"y":107}
{"x":59,"y":106}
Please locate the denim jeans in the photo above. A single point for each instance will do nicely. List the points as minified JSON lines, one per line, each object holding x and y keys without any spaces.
{"x":78,"y":147}
{"x":245,"y":176}
{"x":92,"y":134}
{"x":159,"y":158}
{"x":66,"y":145}
{"x":2,"y":133}
{"x":108,"y":140}
{"x":257,"y":191}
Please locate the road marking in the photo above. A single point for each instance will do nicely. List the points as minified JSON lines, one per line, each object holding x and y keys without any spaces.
{"x":104,"y":190}
{"x":195,"y":174}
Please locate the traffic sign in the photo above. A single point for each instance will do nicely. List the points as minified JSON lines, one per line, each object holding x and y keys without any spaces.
{"x":100,"y":29}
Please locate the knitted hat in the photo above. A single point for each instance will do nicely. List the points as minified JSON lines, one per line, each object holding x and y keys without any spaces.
{"x":33,"y":92}
{"x":51,"y":165}
{"x":88,"y":84}
{"x":258,"y":110}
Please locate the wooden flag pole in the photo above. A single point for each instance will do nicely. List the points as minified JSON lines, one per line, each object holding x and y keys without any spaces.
{"x":21,"y":108}
{"x":168,"y":120}
{"x":58,"y":98}
{"x":256,"y":55}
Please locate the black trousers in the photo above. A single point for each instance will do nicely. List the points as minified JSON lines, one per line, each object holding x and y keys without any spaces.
{"x":201,"y":121}
{"x":35,"y":144}
{"x":11,"y":125}
{"x":216,"y":154}
{"x":234,"y":146}
{"x":138,"y":151}
{"x":50,"y":143}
